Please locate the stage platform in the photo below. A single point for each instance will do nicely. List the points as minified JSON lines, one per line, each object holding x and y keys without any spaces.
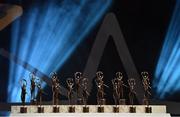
{"x":92,"y":108}
{"x":92,"y":114}
{"x":157,"y":111}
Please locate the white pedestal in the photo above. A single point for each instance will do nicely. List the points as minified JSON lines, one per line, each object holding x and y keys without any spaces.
{"x":92,"y":109}
{"x":92,"y":115}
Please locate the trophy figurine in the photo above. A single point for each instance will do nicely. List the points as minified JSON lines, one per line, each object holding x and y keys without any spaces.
{"x":121,"y":85}
{"x":56,"y":91}
{"x":132,"y":94}
{"x":115,"y":95}
{"x":40,"y":92}
{"x":100,"y":91}
{"x":23,"y":84}
{"x":70,"y":84}
{"x":78,"y":79}
{"x":147,"y":94}
{"x":85,"y":94}
{"x":33,"y":85}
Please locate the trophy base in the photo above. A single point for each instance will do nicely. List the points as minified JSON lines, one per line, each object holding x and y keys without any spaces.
{"x":56,"y":109}
{"x":85,"y":109}
{"x":132,"y":109}
{"x":115,"y":109}
{"x":40,"y":109}
{"x":80,"y":101}
{"x":148,"y":110}
{"x":23,"y":109}
{"x":71,"y":109}
{"x":145,"y":102}
{"x":100,"y":109}
{"x":102,"y":102}
{"x":122,"y":101}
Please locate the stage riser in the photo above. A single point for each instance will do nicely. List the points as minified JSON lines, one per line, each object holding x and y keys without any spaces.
{"x":92,"y":109}
{"x":92,"y":115}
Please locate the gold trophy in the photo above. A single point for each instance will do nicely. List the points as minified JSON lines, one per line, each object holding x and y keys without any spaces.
{"x":56,"y":91}
{"x":23,"y":84}
{"x":85,"y":94}
{"x":118,"y":93}
{"x":147,"y":94}
{"x":121,"y":85}
{"x":78,"y":79}
{"x":70,"y":84}
{"x":33,"y":85}
{"x":115,"y":95}
{"x":100,"y":91}
{"x":40,"y":93}
{"x":132,"y":94}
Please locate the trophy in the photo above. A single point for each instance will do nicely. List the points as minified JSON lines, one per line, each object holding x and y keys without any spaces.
{"x":78,"y":79}
{"x":100,"y":91}
{"x":33,"y":85}
{"x":119,"y":77}
{"x":55,"y":90}
{"x":147,"y":94}
{"x":132,"y":94}
{"x":40,"y":92}
{"x":23,"y":84}
{"x":85,"y":94}
{"x":70,"y":84}
{"x":115,"y":95}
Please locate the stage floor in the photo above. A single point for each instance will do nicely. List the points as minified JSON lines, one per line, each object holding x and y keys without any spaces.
{"x":93,"y":114}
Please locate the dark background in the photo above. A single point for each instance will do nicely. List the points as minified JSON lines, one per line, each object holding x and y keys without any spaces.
{"x":144,"y":24}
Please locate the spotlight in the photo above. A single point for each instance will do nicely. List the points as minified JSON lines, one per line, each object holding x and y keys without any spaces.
{"x":167,"y":75}
{"x":46,"y":36}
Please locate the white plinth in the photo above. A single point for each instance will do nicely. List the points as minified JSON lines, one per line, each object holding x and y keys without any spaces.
{"x":92,"y":115}
{"x":92,"y":109}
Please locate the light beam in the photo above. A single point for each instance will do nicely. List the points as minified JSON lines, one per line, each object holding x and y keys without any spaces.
{"x":47,"y":34}
{"x":167,"y":75}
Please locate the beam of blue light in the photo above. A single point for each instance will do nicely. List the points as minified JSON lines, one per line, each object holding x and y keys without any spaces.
{"x":45,"y":36}
{"x":167,"y":74}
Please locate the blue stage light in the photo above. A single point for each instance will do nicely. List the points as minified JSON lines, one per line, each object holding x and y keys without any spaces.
{"x":167,"y":75}
{"x":45,"y":36}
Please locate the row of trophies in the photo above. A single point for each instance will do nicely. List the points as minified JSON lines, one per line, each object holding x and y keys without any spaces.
{"x":81,"y":84}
